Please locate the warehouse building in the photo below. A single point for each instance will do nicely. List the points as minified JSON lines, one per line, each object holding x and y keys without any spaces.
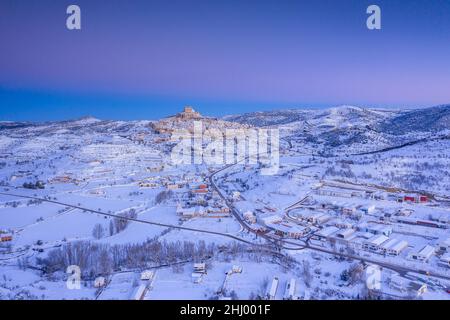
{"x":424,"y":254}
{"x":445,"y":260}
{"x":373,"y":244}
{"x":268,"y":218}
{"x":345,"y":233}
{"x":445,"y":246}
{"x":326,"y":233}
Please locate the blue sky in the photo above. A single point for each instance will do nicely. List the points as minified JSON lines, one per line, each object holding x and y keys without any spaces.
{"x":146,"y":59}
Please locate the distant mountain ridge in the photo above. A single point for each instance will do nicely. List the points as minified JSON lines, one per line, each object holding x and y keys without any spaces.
{"x":432,"y":119}
{"x":396,"y":122}
{"x":287,"y":116}
{"x":367,"y":129}
{"x":330,"y":129}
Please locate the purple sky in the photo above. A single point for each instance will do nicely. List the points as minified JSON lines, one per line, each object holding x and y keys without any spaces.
{"x":224,"y":56}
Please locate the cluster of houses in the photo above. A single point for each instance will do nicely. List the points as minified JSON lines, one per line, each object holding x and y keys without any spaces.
{"x":384,"y":245}
{"x":324,"y":212}
{"x":344,"y":223}
{"x":336,"y":191}
{"x":315,"y":217}
{"x":414,"y":198}
{"x":198,"y":200}
{"x":6,"y":237}
{"x":65,"y":178}
{"x":270,"y":221}
{"x":152,"y":182}
{"x":169,"y":182}
{"x":198,"y":188}
{"x":200,"y":211}
{"x":373,"y":238}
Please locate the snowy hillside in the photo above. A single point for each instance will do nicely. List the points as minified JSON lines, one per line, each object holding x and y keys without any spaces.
{"x":355,"y":188}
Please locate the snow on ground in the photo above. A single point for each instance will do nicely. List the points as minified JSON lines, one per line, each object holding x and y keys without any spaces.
{"x":137,"y":232}
{"x":73,"y":225}
{"x":22,"y":216}
{"x":224,"y":225}
{"x":18,"y":284}
{"x":253,"y":279}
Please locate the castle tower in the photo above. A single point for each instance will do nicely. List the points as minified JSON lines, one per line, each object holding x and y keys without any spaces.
{"x":188,"y":109}
{"x":189,"y":113}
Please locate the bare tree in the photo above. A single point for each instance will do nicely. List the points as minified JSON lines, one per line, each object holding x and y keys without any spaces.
{"x":98,"y":232}
{"x":306,"y":272}
{"x":111,"y":228}
{"x":163,"y":196}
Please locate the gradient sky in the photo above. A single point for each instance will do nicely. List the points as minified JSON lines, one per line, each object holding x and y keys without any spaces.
{"x":145,"y":59}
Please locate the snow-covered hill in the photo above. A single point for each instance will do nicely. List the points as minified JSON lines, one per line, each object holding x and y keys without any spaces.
{"x":433,"y":119}
{"x":363,"y":129}
{"x":68,"y":186}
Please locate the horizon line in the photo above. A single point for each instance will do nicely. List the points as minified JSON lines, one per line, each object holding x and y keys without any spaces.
{"x":88,"y":116}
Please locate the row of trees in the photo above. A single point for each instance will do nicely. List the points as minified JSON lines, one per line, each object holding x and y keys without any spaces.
{"x":101,"y":259}
{"x":116,"y":225}
{"x":163,"y":196}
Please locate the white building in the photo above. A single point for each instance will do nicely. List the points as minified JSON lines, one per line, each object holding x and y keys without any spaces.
{"x":393,"y":247}
{"x":382,"y":229}
{"x":187,"y":213}
{"x":396,"y":249}
{"x":388,"y":244}
{"x":341,"y":224}
{"x":289,"y":293}
{"x":319,"y":218}
{"x":368,"y":209}
{"x":99,"y":282}
{"x":326,"y":233}
{"x":200,"y":267}
{"x":445,"y":260}
{"x":287,"y":230}
{"x":374,"y":243}
{"x":445,"y":246}
{"x":236,"y":195}
{"x":424,"y":254}
{"x":147,"y":275}
{"x":345,"y":234}
{"x":348,"y":209}
{"x":375,"y":228}
{"x":250,"y":217}
{"x":236,"y":269}
{"x":266,"y":219}
{"x":272,"y":289}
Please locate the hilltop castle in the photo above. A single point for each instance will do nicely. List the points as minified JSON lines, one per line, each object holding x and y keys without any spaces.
{"x":186,"y":119}
{"x":189,"y":113}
